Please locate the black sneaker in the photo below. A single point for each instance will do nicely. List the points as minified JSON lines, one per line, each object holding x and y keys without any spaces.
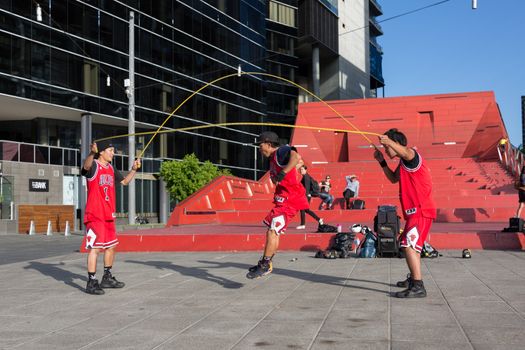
{"x":415,"y":291}
{"x":93,"y":287}
{"x":260,"y":262}
{"x":108,"y":281}
{"x":254,"y":268}
{"x":406,"y":283}
{"x":260,"y":270}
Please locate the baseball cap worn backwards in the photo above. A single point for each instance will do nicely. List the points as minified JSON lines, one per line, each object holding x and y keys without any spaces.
{"x":267,"y":136}
{"x":103,"y":144}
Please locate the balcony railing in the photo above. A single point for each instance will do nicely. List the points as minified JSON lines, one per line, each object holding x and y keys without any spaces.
{"x":40,"y":154}
{"x":374,"y":42}
{"x":51,"y":155}
{"x":375,"y":27}
{"x":376,"y":9}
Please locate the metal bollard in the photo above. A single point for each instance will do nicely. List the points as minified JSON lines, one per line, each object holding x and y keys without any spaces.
{"x":67,"y":231}
{"x":32,"y":228}
{"x":49,"y":229}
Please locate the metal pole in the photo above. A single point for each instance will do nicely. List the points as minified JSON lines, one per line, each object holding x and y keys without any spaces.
{"x":131,"y":116}
{"x":1,"y":195}
{"x":255,"y":161}
{"x":163,"y":202}
{"x":85,"y":141}
{"x":316,"y":71}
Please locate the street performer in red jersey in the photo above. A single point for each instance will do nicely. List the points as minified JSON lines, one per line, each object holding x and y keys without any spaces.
{"x":419,"y":210}
{"x":289,"y":197}
{"x":100,"y":215}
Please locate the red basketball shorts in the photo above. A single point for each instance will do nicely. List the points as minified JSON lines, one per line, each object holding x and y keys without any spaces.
{"x":278,"y":218}
{"x":416,"y":232}
{"x":101,"y":235}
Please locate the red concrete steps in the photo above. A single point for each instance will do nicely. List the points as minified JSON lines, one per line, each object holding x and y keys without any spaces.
{"x":252,"y":238}
{"x":452,"y":214}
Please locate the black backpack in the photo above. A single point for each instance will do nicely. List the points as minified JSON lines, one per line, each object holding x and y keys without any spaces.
{"x":386,"y":221}
{"x":314,"y":187}
{"x":358,"y":204}
{"x":343,"y":243}
{"x":326,"y":228}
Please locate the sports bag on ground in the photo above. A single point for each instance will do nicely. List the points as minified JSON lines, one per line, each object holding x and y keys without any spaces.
{"x":326,"y":228}
{"x":428,"y":251}
{"x":343,"y":244}
{"x":358,"y":204}
{"x":368,"y":247}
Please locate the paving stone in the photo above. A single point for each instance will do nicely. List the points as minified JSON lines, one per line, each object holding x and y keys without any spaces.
{"x":202,"y":300}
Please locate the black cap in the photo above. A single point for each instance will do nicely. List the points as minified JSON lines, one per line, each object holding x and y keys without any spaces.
{"x":267,"y":136}
{"x":103,"y":144}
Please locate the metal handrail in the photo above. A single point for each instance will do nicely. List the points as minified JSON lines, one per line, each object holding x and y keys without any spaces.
{"x":511,"y":157}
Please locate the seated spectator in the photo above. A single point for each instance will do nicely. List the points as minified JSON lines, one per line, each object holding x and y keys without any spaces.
{"x":351,"y":190}
{"x":324,"y":194}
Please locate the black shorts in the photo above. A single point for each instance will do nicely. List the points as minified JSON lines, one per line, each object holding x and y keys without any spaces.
{"x":521,"y":195}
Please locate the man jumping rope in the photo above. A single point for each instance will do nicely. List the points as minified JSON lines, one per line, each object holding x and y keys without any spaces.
{"x":289,"y":197}
{"x":419,"y":210}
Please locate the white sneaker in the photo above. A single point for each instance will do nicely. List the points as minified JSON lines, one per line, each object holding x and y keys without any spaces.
{"x":321,"y":222}
{"x":301,"y":227}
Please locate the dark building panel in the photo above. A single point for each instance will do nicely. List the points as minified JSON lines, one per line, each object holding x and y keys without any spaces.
{"x":317,"y":25}
{"x":67,"y":58}
{"x":281,"y":61}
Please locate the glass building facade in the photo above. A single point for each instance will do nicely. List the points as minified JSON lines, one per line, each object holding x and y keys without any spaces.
{"x":75,"y":55}
{"x":281,"y":41}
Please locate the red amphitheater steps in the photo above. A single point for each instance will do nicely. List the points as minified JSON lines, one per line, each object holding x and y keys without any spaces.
{"x":229,"y":200}
{"x":456,"y":134}
{"x":252,"y":238}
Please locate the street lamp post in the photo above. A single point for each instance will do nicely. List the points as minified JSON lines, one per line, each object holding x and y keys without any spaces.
{"x":130,"y":92}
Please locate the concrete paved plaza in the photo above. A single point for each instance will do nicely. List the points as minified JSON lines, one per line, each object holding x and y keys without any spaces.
{"x":204,"y":301}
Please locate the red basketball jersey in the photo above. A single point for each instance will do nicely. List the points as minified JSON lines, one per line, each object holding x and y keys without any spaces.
{"x":289,"y":191}
{"x":415,"y":190}
{"x":101,"y":193}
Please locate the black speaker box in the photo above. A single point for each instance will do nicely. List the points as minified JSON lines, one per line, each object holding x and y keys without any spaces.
{"x":388,"y":230}
{"x":387,"y":246}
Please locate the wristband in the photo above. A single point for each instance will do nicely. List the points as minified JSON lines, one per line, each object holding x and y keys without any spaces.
{"x":383,"y":163}
{"x":280,"y":176}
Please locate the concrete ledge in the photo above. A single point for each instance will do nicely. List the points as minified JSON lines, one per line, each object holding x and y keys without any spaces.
{"x":8,"y":227}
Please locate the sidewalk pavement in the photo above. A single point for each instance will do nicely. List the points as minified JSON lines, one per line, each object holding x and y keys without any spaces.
{"x":202,"y":300}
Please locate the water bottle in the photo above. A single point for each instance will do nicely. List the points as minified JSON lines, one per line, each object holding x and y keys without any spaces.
{"x":339,"y":228}
{"x":356,"y":244}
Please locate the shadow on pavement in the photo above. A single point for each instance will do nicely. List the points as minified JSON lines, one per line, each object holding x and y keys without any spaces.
{"x":306,"y":276}
{"x":52,"y":270}
{"x":197,"y":272}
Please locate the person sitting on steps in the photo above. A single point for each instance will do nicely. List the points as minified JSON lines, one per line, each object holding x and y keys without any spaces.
{"x":351,"y":190}
{"x":324,"y":194}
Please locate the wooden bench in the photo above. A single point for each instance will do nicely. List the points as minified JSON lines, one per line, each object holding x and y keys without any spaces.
{"x":41,"y":214}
